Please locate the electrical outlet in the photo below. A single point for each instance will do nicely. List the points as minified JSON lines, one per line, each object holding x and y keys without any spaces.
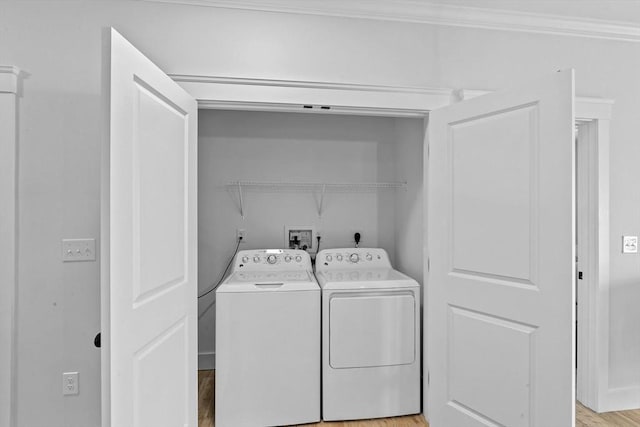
{"x":70,"y":383}
{"x":241,"y":233}
{"x":78,"y":250}
{"x":630,"y":244}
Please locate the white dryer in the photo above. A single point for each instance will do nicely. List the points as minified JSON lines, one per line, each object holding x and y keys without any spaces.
{"x":370,"y":336}
{"x":268,"y":341}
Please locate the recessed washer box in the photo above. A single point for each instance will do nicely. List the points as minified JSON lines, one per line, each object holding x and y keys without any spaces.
{"x":299,"y":236}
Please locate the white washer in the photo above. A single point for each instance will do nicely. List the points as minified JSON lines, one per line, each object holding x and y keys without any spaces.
{"x":268,"y":341}
{"x":370,"y":336}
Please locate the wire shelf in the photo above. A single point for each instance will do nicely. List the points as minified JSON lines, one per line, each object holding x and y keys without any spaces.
{"x":322,"y":187}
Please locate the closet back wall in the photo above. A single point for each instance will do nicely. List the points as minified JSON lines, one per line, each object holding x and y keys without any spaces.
{"x":290,"y":147}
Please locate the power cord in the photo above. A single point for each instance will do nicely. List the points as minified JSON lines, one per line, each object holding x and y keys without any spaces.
{"x":313,"y":258}
{"x":224,"y":272}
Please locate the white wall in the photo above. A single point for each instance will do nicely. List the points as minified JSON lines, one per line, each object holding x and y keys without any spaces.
{"x":58,"y":45}
{"x":8,"y":238}
{"x":296,"y":148}
{"x":409,"y":203}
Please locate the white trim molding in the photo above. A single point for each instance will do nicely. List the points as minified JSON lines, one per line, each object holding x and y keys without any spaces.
{"x":9,"y":79}
{"x":228,"y":93}
{"x":420,"y":11}
{"x":8,"y":239}
{"x":206,"y":360}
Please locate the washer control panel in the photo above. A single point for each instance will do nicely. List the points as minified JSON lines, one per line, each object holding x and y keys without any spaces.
{"x":271,"y":260}
{"x":345,"y":258}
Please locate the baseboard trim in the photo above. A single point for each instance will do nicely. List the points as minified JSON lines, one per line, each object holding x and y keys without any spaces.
{"x":206,"y":361}
{"x":621,"y":399}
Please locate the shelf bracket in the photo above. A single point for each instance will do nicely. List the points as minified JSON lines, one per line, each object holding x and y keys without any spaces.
{"x":324,"y":189}
{"x":241,"y":202}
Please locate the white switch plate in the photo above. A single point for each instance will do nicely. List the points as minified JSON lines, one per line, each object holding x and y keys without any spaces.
{"x":70,"y":383}
{"x":629,"y":244}
{"x":78,"y":250}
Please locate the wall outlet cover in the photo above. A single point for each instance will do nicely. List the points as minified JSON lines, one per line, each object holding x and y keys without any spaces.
{"x":629,"y":244}
{"x":70,"y":383}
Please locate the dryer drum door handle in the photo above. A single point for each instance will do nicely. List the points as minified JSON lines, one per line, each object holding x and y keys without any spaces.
{"x":96,"y":340}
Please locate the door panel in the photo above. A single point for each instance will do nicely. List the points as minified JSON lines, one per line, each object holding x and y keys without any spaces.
{"x":149,"y":332}
{"x":499,"y":309}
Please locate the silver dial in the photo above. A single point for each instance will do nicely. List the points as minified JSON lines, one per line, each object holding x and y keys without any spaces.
{"x":298,"y":258}
{"x":328,"y":257}
{"x":271,"y":259}
{"x":287,"y":258}
{"x":256,"y":258}
{"x":245,"y":259}
{"x":369,"y":257}
{"x":339,"y":257}
{"x":354,"y":258}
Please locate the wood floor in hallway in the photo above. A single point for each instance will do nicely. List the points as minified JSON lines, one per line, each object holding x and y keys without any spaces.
{"x":584,"y":416}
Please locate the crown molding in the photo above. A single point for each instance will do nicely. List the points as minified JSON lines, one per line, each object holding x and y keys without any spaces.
{"x":307,"y":84}
{"x":311,"y":97}
{"x":420,"y":11}
{"x":9,"y":79}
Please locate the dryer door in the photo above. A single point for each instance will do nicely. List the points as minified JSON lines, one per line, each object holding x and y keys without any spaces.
{"x":372,"y":329}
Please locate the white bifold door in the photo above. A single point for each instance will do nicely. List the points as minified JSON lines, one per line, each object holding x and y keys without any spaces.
{"x":149,"y":277}
{"x":500,"y":337}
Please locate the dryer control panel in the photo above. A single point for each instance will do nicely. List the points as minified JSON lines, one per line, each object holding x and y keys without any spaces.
{"x":271,"y":260}
{"x":345,"y":258}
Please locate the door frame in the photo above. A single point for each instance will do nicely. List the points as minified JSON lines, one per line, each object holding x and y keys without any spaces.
{"x":9,"y":94}
{"x":593,"y":115}
{"x":242,"y":94}
{"x":228,"y":93}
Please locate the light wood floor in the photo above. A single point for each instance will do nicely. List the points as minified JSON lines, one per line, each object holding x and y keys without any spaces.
{"x":584,"y":416}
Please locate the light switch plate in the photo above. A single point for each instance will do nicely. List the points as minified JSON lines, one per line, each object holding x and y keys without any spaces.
{"x":78,"y":250}
{"x":629,"y":244}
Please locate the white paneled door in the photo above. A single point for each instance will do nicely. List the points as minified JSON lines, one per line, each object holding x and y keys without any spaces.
{"x":500,"y":303}
{"x":150,"y":283}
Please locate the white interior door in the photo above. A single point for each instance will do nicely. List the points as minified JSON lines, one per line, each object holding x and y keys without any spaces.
{"x":150,"y":281}
{"x":500,"y":307}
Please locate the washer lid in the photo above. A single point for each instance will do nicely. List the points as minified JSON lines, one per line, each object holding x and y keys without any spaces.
{"x":384,"y":278}
{"x":269,"y":281}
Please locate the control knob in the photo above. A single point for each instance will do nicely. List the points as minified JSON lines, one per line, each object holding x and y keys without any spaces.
{"x":298,"y":258}
{"x":339,"y":257}
{"x":328,"y":258}
{"x":271,"y":259}
{"x":245,"y":259}
{"x":369,"y":257}
{"x":287,"y":258}
{"x":354,"y":258}
{"x":256,"y":258}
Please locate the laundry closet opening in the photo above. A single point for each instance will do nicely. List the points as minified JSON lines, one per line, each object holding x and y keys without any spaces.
{"x":278,"y":150}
